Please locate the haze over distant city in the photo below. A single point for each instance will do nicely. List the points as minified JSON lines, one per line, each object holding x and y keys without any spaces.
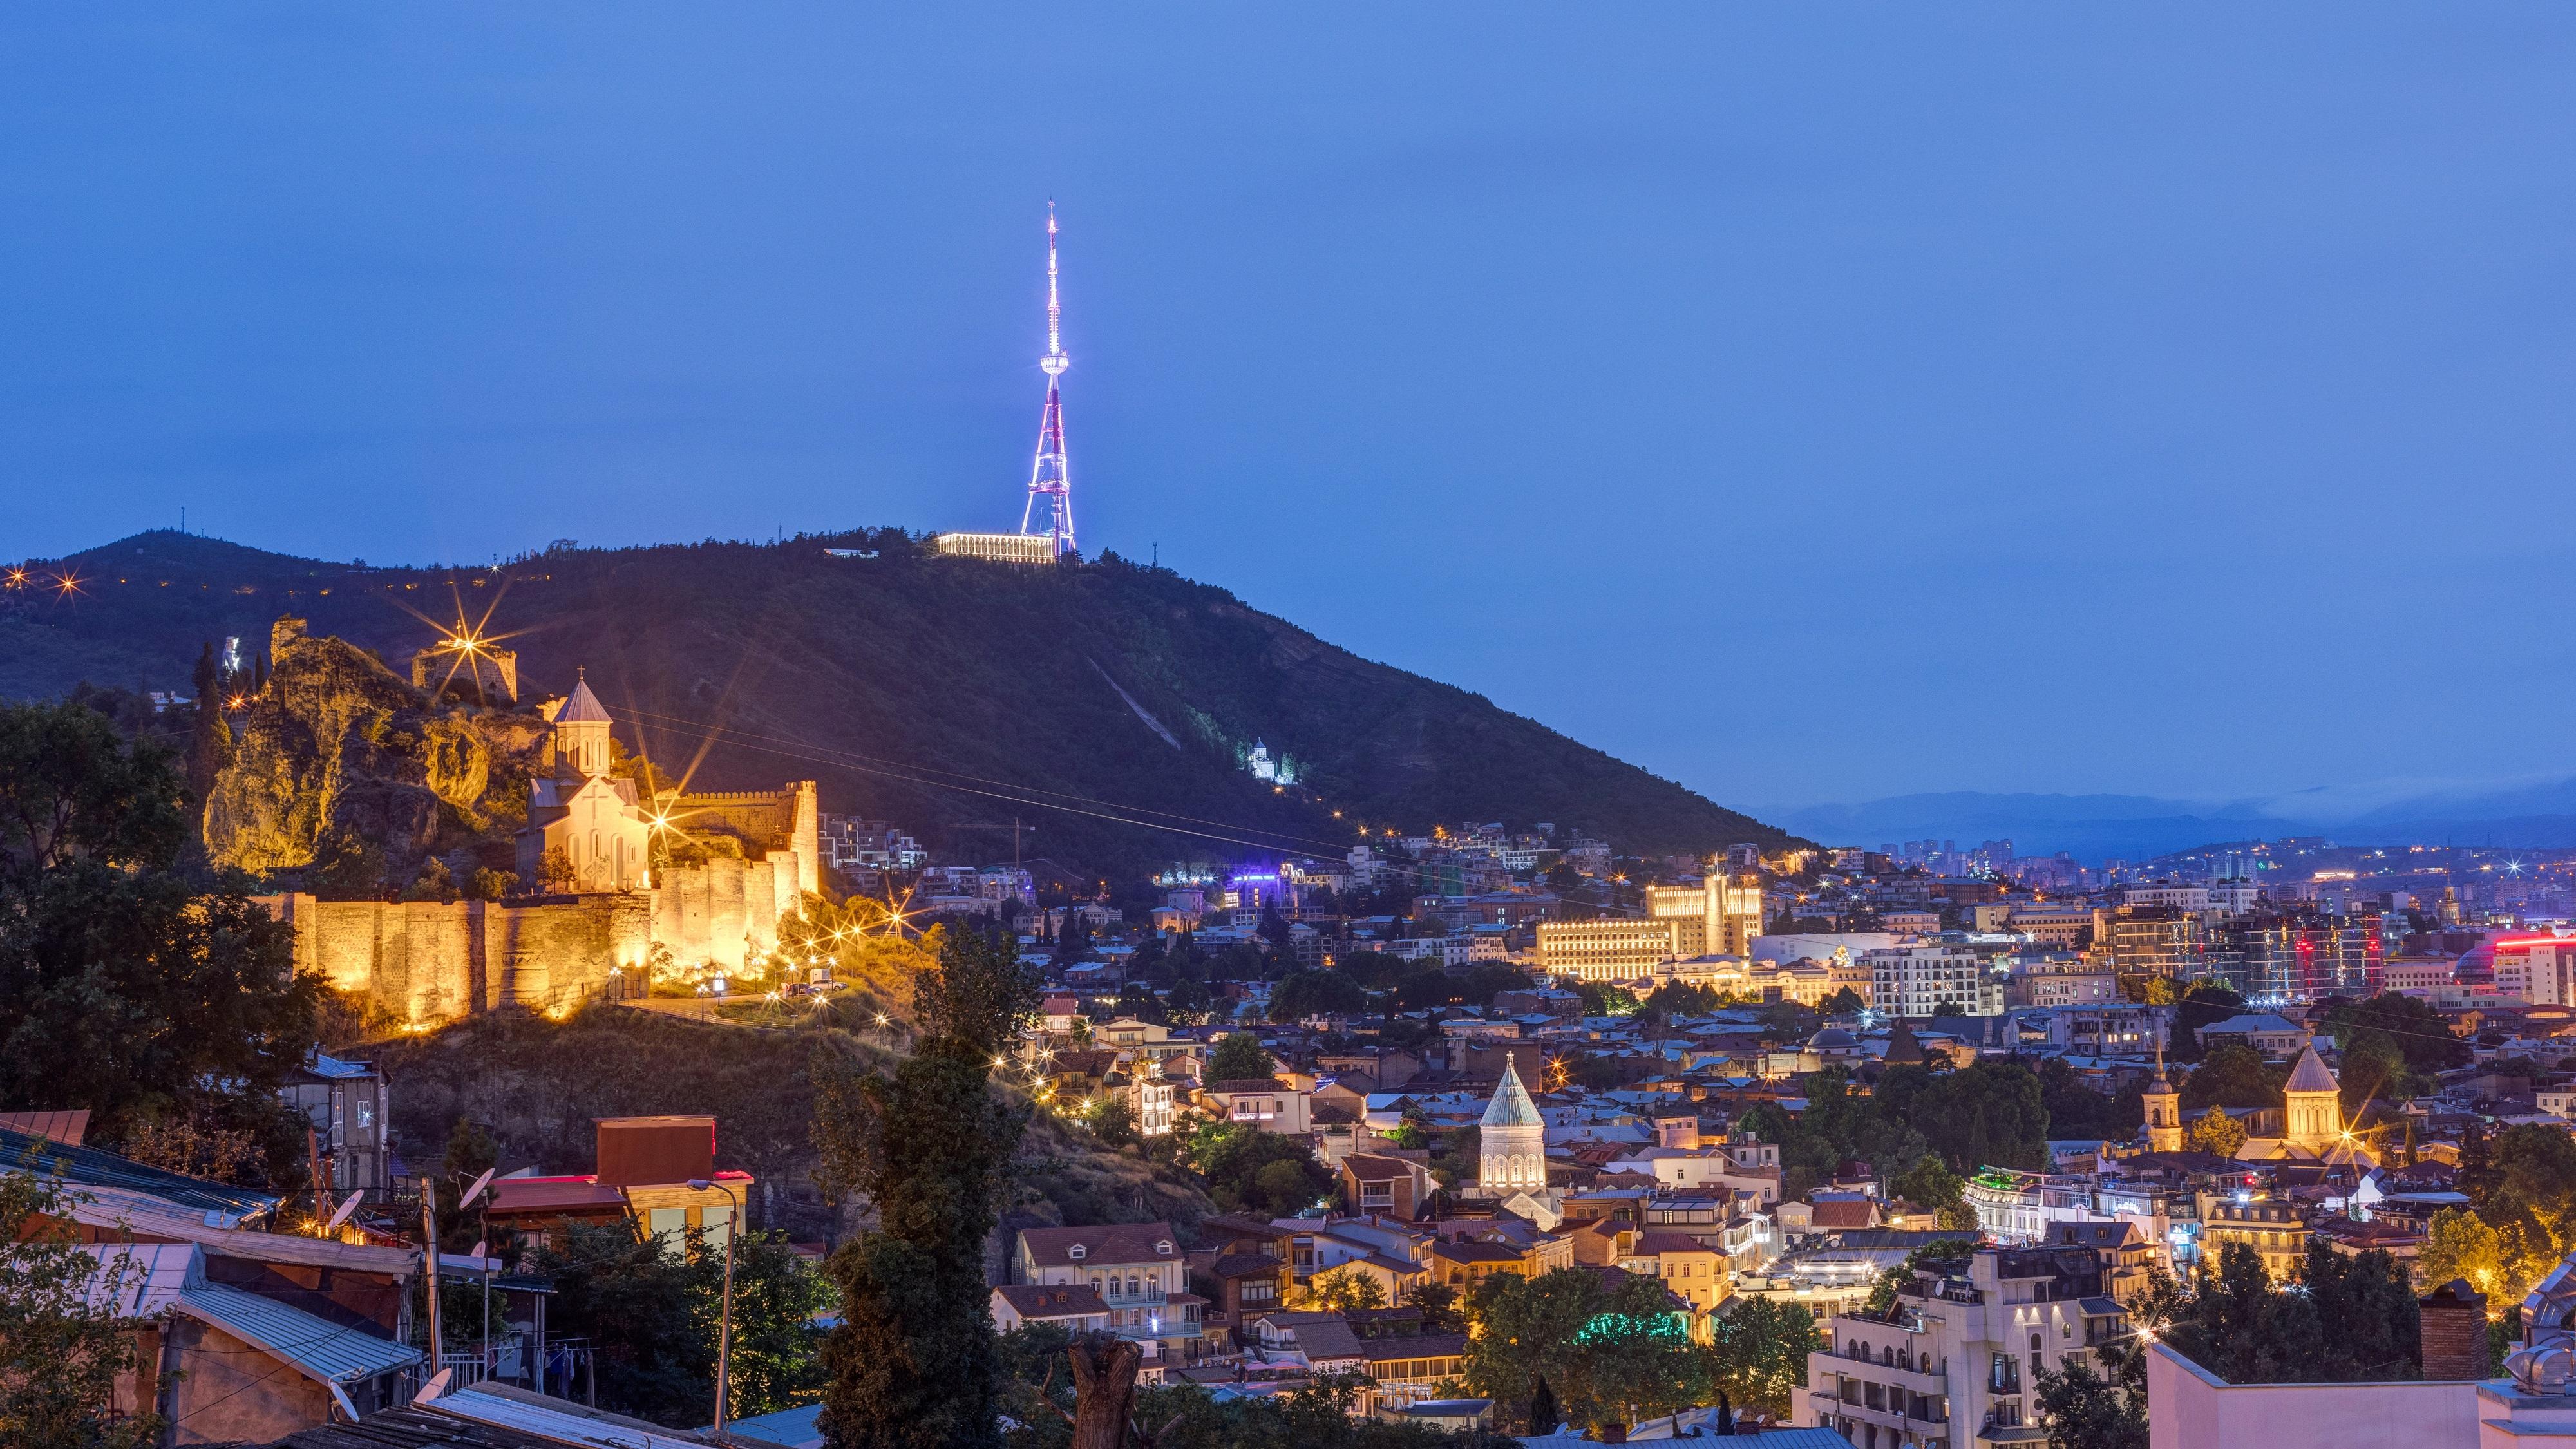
{"x":1810,"y":406}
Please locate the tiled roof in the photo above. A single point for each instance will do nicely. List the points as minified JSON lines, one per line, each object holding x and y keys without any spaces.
{"x":1031,"y":1300}
{"x":1119,"y":1243}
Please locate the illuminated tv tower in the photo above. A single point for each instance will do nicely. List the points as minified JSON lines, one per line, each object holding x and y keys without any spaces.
{"x":1048,"y":478}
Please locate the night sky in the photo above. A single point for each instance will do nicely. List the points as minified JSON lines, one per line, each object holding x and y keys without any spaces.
{"x":1805,"y":402}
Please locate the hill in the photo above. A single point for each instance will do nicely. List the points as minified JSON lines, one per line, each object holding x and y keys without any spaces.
{"x":1109,"y":704}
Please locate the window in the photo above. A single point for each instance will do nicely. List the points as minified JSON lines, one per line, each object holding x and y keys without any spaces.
{"x":717,"y":1223}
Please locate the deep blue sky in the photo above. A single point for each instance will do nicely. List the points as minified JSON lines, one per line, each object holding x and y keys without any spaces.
{"x":1807,"y":402}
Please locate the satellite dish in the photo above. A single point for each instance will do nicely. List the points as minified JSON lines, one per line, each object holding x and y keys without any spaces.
{"x":436,"y":1386}
{"x":477,"y":1254}
{"x":476,"y":1190}
{"x":340,"y":1214}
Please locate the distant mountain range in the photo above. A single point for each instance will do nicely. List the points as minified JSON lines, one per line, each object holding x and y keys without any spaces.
{"x":2526,"y":814}
{"x":950,"y":696}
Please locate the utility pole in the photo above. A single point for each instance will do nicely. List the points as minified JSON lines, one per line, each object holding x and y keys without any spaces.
{"x":429,"y":1262}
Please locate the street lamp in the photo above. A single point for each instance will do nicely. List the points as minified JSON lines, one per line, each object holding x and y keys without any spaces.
{"x":724,"y":1329}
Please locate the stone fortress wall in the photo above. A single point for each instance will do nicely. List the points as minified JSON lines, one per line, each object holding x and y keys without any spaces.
{"x":430,"y":963}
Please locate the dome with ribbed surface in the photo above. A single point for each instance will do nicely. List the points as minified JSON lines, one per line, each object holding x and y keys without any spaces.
{"x":1511,"y":1106}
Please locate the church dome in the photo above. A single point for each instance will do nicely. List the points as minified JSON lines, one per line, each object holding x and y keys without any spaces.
{"x":1511,"y":1106}
{"x":1833,"y":1039}
{"x":2310,"y":1075}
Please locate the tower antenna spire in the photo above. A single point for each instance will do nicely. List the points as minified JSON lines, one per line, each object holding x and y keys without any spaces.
{"x":1049,"y":480}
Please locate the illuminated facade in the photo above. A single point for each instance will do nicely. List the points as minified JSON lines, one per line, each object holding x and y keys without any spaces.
{"x":1511,"y":1141}
{"x":1002,"y":548}
{"x":1611,"y":948}
{"x":1718,"y":917}
{"x":578,"y":808}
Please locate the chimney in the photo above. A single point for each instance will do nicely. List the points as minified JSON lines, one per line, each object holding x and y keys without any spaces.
{"x":2454,"y":1319}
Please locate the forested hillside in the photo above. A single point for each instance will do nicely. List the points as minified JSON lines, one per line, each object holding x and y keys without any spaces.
{"x":948,"y":695}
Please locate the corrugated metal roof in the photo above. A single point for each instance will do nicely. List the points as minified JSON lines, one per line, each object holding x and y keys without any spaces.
{"x":322,"y":1349}
{"x":91,"y":1167}
{"x":65,"y":1127}
{"x":788,"y":1428}
{"x":139,"y":1280}
{"x":147,"y":1279}
{"x":526,"y":1414}
{"x":144,"y":1214}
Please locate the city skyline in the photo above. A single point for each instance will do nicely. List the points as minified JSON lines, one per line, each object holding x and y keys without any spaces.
{"x":2097,"y":409}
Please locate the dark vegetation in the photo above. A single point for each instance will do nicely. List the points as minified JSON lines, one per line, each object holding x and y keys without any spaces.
{"x":160,"y":998}
{"x":873,"y":676}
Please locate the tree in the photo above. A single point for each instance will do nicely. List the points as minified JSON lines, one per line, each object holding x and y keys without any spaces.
{"x":1301,"y":994}
{"x":2459,"y":1244}
{"x":1762,"y":1347}
{"x":913,"y":1364}
{"x":1248,"y":1169}
{"x":62,"y":1345}
{"x":2203,"y":1003}
{"x":1111,"y":1119}
{"x":1606,"y":1346}
{"x":2347,"y":1319}
{"x":2085,"y":1410}
{"x":1992,"y":1114}
{"x":2421,"y":1033}
{"x":2374,"y":1065}
{"x":1339,"y":1290}
{"x":1900,"y":1279}
{"x":210,"y":740}
{"x":1931,"y":1185}
{"x":652,"y":1307}
{"x":124,"y":986}
{"x":1844,"y":1002}
{"x":2216,"y":1133}
{"x":2232,"y":1074}
{"x":1438,"y":1305}
{"x":1239,"y":1058}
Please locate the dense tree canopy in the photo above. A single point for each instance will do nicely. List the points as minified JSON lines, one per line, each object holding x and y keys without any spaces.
{"x":2417,"y":1030}
{"x":2346,"y":1319}
{"x":2233,"y":1074}
{"x":652,"y":1312}
{"x":125,"y":986}
{"x":1240,"y":1057}
{"x":1608,"y":1350}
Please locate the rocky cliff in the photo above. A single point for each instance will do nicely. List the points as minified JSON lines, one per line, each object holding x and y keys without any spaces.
{"x":338,"y":747}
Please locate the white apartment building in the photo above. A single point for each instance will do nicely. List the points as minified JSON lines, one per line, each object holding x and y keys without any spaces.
{"x":2185,"y":897}
{"x":2540,"y":970}
{"x":1958,"y":1366}
{"x":1913,"y":980}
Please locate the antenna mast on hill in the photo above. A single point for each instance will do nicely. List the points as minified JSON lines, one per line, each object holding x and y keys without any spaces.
{"x":1048,"y":478}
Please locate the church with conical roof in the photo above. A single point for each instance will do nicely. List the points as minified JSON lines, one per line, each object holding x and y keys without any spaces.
{"x":1512,"y":1141}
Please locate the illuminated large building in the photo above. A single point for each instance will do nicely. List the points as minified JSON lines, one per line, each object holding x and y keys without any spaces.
{"x":1050,"y":502}
{"x":1719,"y":916}
{"x":1611,"y":948}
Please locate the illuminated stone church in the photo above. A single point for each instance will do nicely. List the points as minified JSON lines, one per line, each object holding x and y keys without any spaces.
{"x":596,"y":819}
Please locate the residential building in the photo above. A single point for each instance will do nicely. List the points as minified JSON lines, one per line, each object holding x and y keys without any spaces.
{"x":642,"y":1171}
{"x":1137,"y":1271}
{"x":1942,"y":977}
{"x":1393,"y":1186}
{"x":2272,"y":1227}
{"x":1957,"y":1361}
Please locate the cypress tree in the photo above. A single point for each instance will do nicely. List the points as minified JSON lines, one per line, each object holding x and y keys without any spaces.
{"x":210,"y":743}
{"x":913,"y":1365}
